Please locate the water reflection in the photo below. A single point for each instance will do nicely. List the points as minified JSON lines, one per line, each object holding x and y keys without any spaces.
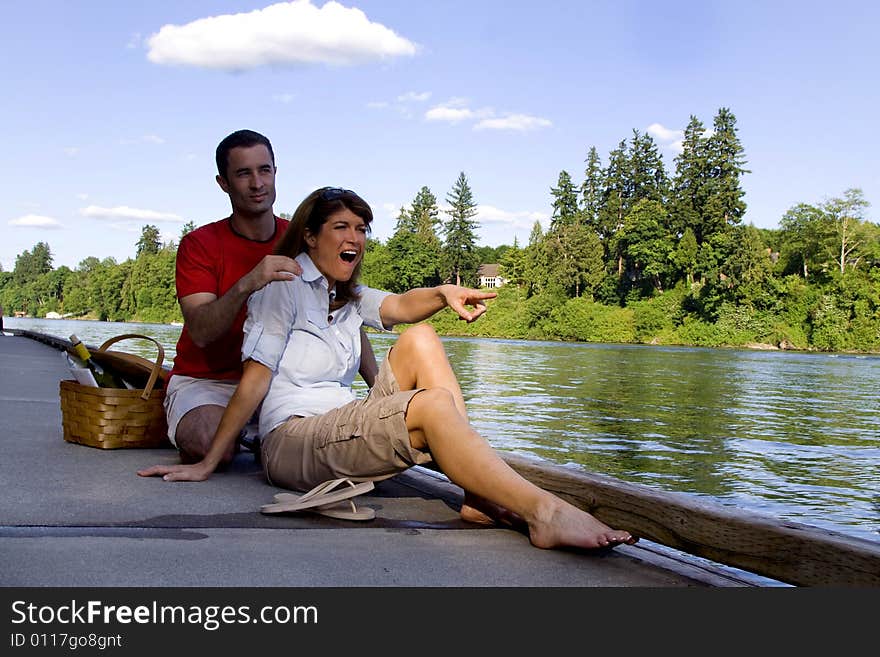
{"x":793,"y":435}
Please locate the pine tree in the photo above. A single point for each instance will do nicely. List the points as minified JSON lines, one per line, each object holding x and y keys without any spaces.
{"x":459,"y":232}
{"x":725,"y":206}
{"x":690,"y":184}
{"x":647,"y":175}
{"x":565,"y":205}
{"x":149,"y":242}
{"x":424,"y":213}
{"x":591,"y":189}
{"x":615,"y":203}
{"x":187,"y":228}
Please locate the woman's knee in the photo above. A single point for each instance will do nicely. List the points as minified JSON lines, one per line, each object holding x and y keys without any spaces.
{"x":419,"y":339}
{"x":432,"y":402}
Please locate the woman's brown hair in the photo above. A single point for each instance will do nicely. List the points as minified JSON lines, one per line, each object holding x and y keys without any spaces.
{"x":310,"y":217}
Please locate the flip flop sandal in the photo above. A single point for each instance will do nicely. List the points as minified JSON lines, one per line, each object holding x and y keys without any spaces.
{"x":323,"y":500}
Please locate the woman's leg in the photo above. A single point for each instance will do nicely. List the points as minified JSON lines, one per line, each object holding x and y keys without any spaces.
{"x":436,"y":423}
{"x":419,"y":360}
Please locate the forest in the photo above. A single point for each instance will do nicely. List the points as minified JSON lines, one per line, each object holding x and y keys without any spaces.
{"x":633,"y":254}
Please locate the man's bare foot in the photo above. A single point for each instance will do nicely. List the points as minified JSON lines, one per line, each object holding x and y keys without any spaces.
{"x":564,"y":525}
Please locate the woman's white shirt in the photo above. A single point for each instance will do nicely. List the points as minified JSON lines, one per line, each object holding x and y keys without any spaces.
{"x":314,"y":354}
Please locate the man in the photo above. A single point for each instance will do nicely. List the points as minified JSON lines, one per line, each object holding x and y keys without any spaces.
{"x":218,"y":267}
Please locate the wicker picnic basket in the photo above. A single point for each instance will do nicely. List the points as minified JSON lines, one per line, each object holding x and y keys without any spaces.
{"x":111,"y":418}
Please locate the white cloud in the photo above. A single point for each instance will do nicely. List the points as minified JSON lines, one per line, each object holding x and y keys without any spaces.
{"x":287,"y":33}
{"x":672,"y":139}
{"x":664,"y":134}
{"x":125,"y":213}
{"x":668,"y":137}
{"x":450,"y":114}
{"x":36,"y":221}
{"x":488,"y":214}
{"x":520,"y":122}
{"x":414,"y":97}
{"x":457,"y":110}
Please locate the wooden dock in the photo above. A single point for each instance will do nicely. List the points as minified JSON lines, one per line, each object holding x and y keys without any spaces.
{"x":75,"y":500}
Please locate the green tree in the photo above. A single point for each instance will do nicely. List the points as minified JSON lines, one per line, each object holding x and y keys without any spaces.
{"x":459,"y":231}
{"x":846,"y":215}
{"x":149,"y":241}
{"x":574,"y":258}
{"x":647,"y":178}
{"x":646,"y":243}
{"x":725,"y":206}
{"x":591,"y":190}
{"x":804,"y":234}
{"x":187,"y":228}
{"x":30,"y":265}
{"x":689,"y":185}
{"x":512,"y":265}
{"x":565,"y":203}
{"x":377,"y":269}
{"x":685,"y":256}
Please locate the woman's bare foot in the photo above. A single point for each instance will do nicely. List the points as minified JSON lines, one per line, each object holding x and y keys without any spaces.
{"x":481,"y":511}
{"x":564,"y":525}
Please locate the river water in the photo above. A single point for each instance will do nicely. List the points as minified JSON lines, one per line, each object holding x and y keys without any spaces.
{"x":793,"y":435}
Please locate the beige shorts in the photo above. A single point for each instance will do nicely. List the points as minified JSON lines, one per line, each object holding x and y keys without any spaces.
{"x":366,"y":439}
{"x":185,"y":393}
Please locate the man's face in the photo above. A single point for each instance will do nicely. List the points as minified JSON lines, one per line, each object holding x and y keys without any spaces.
{"x":250,"y":180}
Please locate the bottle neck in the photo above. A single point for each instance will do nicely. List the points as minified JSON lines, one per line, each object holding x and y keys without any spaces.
{"x":81,"y":351}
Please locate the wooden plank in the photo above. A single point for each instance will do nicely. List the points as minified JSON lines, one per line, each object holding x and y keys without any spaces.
{"x":790,"y":552}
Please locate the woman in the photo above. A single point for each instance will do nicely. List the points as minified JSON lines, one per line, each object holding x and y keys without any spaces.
{"x":301,"y":353}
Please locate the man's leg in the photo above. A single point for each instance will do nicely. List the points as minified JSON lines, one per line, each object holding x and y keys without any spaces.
{"x":193,"y":408}
{"x":195,"y":432}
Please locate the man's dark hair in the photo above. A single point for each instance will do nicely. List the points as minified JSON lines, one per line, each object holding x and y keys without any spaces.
{"x":239,"y":139}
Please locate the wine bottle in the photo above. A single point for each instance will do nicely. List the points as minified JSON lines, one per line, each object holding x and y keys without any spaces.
{"x":103,"y":378}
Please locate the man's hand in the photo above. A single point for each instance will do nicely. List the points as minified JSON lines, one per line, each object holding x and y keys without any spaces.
{"x":181,"y":472}
{"x":458,"y":297}
{"x":270,"y":268}
{"x":207,"y":317}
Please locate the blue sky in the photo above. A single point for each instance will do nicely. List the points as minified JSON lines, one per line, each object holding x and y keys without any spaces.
{"x":112,"y":110}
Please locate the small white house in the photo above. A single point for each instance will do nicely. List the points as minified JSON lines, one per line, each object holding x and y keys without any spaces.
{"x":488,"y":275}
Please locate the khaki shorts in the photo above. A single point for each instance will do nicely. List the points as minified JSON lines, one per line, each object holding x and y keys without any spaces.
{"x":185,"y":393}
{"x":365,"y":440}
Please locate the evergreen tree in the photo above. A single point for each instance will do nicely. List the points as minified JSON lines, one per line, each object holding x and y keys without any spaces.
{"x":690,"y":184}
{"x":424,"y":213}
{"x":685,"y":255}
{"x":725,"y":206}
{"x":460,"y":234}
{"x":615,"y":204}
{"x":647,"y":175}
{"x":591,"y":190}
{"x":187,"y":228}
{"x":30,"y":265}
{"x":565,"y":204}
{"x":149,"y":242}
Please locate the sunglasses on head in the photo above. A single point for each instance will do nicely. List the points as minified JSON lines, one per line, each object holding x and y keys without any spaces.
{"x":334,"y":193}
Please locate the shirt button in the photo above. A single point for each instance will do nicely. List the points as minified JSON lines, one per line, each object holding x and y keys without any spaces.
{"x":329,"y":318}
